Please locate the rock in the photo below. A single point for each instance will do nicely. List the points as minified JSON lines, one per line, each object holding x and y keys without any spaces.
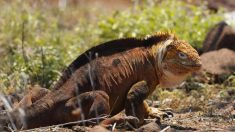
{"x":49,"y":129}
{"x":220,"y":36}
{"x":98,"y":129}
{"x":150,"y":127}
{"x":219,"y":62}
{"x":215,"y":5}
{"x":81,"y":128}
{"x":153,"y":103}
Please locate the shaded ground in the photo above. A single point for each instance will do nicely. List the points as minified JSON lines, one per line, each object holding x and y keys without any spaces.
{"x":190,"y":121}
{"x":197,"y":121}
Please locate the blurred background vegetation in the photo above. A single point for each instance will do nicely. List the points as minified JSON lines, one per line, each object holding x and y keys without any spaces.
{"x":38,"y":39}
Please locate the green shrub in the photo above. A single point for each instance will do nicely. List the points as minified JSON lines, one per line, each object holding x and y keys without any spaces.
{"x":189,"y":22}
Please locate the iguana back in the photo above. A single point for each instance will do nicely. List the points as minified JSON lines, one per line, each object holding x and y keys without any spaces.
{"x":106,"y":49}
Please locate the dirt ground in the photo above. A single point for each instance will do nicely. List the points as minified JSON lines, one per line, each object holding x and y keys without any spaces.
{"x":188,"y":121}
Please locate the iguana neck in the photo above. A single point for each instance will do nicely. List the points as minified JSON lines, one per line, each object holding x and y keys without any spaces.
{"x":166,"y":78}
{"x":143,"y":63}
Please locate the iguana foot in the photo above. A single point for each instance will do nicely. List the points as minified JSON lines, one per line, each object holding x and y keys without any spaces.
{"x":4,"y":121}
{"x":32,"y":95}
{"x":160,"y":113}
{"x":120,"y":118}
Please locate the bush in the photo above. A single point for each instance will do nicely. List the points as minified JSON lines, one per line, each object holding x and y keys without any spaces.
{"x":189,"y":22}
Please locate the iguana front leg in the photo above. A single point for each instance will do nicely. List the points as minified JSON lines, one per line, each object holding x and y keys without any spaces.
{"x":137,"y":107}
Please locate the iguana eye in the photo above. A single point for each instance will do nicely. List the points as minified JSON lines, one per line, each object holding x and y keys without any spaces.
{"x":182,"y":55}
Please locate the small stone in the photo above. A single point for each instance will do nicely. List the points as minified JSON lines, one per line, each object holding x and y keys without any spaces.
{"x":98,"y":128}
{"x":150,"y":127}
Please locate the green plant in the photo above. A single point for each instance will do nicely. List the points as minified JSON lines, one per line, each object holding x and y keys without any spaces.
{"x":189,"y":22}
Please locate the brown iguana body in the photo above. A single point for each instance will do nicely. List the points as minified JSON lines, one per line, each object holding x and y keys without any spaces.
{"x":111,"y":77}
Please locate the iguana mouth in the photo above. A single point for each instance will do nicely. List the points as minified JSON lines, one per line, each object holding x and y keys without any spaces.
{"x":193,"y":66}
{"x":190,"y":64}
{"x":197,"y":65}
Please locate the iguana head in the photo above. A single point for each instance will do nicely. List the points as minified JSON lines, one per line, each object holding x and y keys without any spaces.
{"x":180,"y":58}
{"x":176,"y":59}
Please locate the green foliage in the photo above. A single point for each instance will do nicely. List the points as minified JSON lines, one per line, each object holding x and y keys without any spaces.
{"x":37,"y":42}
{"x":189,"y":22}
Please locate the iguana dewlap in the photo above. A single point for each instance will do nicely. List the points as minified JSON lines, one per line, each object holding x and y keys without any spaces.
{"x":113,"y":76}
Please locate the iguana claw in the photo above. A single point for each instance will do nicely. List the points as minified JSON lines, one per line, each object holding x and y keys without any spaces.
{"x":160,"y":113}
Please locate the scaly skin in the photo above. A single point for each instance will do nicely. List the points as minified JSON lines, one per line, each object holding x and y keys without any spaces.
{"x":111,"y":77}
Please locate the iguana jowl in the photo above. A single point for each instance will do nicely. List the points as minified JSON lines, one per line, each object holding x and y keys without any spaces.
{"x":113,"y":76}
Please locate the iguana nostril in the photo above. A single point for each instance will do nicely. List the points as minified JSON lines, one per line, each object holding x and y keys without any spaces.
{"x":198,"y":64}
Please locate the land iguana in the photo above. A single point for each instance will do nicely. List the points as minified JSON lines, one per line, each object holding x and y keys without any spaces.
{"x":109,"y":78}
